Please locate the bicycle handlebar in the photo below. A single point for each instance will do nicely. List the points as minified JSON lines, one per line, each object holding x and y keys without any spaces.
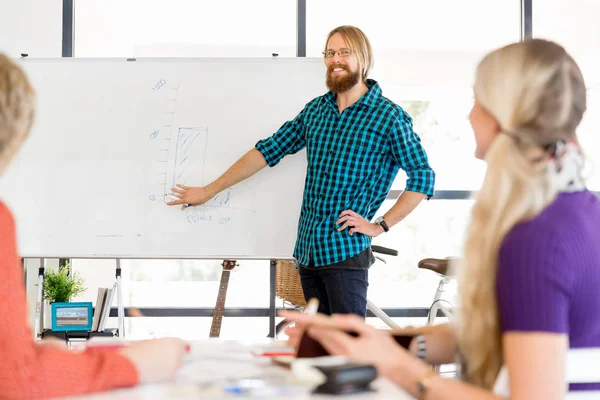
{"x":384,"y":250}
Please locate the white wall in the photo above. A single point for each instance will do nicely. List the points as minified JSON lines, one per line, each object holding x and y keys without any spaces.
{"x":31,"y":26}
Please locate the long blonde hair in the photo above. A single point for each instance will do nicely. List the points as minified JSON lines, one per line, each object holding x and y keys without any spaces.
{"x":360,"y":45}
{"x":17,"y":109}
{"x":536,"y":93}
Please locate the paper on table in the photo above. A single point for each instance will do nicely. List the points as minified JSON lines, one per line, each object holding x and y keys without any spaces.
{"x":217,"y":361}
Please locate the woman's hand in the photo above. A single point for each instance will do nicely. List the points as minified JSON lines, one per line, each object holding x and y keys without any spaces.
{"x":371,"y":346}
{"x":299,"y":322}
{"x":156,"y":360}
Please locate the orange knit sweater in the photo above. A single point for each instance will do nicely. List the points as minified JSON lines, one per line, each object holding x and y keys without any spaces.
{"x":32,"y":371}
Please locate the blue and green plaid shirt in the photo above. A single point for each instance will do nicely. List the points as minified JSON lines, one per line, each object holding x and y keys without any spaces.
{"x":353,"y":158}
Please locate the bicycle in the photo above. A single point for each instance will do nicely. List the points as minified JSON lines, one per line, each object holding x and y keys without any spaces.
{"x":440,"y":266}
{"x":439,"y":304}
{"x":290,"y":290}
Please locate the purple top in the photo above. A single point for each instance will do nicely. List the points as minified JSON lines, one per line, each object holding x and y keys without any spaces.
{"x":549,"y":273}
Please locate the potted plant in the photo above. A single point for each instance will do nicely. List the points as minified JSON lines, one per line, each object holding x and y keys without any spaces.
{"x":60,"y":287}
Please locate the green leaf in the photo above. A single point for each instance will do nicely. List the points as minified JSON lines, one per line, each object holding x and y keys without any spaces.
{"x":60,"y":286}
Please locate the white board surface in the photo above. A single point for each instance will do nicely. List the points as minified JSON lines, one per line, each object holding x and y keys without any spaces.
{"x":112,"y":136}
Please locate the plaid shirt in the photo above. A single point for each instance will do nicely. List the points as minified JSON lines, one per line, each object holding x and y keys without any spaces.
{"x":353,"y":158}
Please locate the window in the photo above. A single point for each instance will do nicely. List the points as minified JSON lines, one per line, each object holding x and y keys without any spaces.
{"x":574,"y":25}
{"x":181,"y":284}
{"x":425,"y":55}
{"x":431,"y":25}
{"x":434,"y":230}
{"x":184,"y":28}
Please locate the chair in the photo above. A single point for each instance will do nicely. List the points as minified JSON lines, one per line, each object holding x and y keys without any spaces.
{"x":447,"y":274}
{"x":287,"y":283}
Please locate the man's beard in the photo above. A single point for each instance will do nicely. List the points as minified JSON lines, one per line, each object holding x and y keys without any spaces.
{"x":341,"y":84}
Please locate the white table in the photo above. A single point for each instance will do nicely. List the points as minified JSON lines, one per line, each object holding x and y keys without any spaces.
{"x":214,"y":365}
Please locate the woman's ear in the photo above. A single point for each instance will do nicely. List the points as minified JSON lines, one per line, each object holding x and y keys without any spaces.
{"x":495,"y":125}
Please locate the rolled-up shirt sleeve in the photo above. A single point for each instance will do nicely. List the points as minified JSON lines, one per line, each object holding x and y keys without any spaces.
{"x":409,"y":153}
{"x":289,"y":139}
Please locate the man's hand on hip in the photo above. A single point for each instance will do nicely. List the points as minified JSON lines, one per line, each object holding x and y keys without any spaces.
{"x":357,"y":224}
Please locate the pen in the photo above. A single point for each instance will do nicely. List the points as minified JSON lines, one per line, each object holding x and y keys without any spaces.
{"x":312,"y":307}
{"x":175,"y":198}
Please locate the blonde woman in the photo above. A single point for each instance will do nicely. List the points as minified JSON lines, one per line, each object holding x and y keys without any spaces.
{"x":531,"y":265}
{"x":29,"y":370}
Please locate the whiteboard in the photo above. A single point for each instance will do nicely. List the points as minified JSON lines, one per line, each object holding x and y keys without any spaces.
{"x":112,"y":136}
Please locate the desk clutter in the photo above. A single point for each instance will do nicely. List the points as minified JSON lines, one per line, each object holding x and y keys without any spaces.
{"x":218,"y":368}
{"x":255,"y":370}
{"x":225,"y":369}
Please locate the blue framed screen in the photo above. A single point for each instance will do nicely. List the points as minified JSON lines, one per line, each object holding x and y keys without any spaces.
{"x":75,"y":316}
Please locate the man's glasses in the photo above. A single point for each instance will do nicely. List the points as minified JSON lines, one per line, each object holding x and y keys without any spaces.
{"x":341,"y":52}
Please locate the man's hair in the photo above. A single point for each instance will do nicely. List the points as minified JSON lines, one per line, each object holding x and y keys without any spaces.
{"x":359,"y":43}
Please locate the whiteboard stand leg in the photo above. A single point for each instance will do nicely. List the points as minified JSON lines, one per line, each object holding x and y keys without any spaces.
{"x":273,"y":270}
{"x":120,"y":310}
{"x":39,"y":318}
{"x":24,"y":269}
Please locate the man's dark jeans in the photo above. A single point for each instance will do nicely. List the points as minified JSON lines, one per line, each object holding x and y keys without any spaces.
{"x":340,"y":291}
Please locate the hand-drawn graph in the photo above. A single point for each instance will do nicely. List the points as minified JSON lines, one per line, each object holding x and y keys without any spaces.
{"x":183,"y":154}
{"x":188,"y":155}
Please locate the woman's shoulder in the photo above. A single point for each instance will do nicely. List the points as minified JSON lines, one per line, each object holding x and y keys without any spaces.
{"x":564,"y":233}
{"x":575,"y":211}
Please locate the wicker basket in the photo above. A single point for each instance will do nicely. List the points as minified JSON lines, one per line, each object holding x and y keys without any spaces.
{"x":287,"y":283}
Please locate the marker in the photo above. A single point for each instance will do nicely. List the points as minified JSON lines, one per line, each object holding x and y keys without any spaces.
{"x":311,"y":309}
{"x":175,"y":198}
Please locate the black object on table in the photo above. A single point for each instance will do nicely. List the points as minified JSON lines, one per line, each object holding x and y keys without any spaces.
{"x":68,"y":335}
{"x":346,"y":378}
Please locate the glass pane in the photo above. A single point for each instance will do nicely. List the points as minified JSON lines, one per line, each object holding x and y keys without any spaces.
{"x":465,"y":25}
{"x":181,"y":284}
{"x":442,"y":123}
{"x":194,"y":284}
{"x":425,"y":62}
{"x":434,"y":230}
{"x":185,"y":28}
{"x":580,"y":35}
